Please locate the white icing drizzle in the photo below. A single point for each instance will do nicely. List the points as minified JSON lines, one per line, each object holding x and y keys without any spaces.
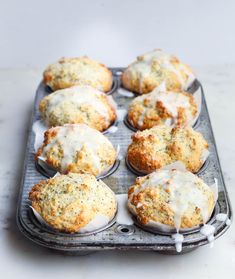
{"x":178,"y":238}
{"x":222,"y":217}
{"x":172,"y":101}
{"x":183,"y":191}
{"x":123,"y":215}
{"x":125,"y":93}
{"x":208,"y":231}
{"x":143,"y":66}
{"x":78,"y":95}
{"x":72,"y":137}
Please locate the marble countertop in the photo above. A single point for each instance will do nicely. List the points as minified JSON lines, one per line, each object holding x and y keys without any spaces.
{"x":20,"y":258}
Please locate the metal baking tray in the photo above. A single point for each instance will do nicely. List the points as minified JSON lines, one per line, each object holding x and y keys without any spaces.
{"x":118,"y":236}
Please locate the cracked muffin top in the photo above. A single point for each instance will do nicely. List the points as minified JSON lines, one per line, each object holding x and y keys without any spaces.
{"x":68,"y":72}
{"x":78,"y":104}
{"x":178,"y":199}
{"x":162,"y":145}
{"x":74,"y":202}
{"x":162,"y":107}
{"x":77,"y":148}
{"x":152,"y":69}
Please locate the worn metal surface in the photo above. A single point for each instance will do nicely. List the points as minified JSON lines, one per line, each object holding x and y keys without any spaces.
{"x":116,"y":236}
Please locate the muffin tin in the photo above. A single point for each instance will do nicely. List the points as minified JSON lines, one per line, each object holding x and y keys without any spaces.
{"x":120,"y":236}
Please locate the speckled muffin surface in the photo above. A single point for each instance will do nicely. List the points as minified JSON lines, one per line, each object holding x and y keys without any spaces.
{"x":178,"y":199}
{"x":77,"y":148}
{"x":78,"y":104}
{"x":162,"y":107}
{"x":74,"y":202}
{"x":68,"y":72}
{"x":152,"y":69}
{"x":159,"y":146}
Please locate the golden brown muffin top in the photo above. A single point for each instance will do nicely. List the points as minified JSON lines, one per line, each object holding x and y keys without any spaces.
{"x":153,"y":68}
{"x":178,"y":199}
{"x":78,"y":104}
{"x":162,"y":107}
{"x":161,"y":145}
{"x":77,"y":148}
{"x":68,"y":72}
{"x":70,"y":203}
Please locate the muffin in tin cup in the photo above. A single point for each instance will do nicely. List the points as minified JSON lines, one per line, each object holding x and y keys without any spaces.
{"x":155,"y":67}
{"x":73,"y":203}
{"x":161,"y":145}
{"x":171,"y":200}
{"x":77,"y":148}
{"x":78,"y":104}
{"x":163,"y":107}
{"x":67,"y":72}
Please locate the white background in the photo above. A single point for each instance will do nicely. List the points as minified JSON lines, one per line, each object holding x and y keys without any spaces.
{"x":35,"y":33}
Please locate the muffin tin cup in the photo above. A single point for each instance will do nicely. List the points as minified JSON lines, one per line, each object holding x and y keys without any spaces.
{"x":120,"y":236}
{"x":110,"y":92}
{"x":40,"y":223}
{"x":192,"y":88}
{"x":166,"y":230}
{"x":137,"y":172}
{"x":126,"y":121}
{"x":50,"y":172}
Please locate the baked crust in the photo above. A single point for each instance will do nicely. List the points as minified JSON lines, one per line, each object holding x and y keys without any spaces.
{"x":171,"y":197}
{"x":77,"y":148}
{"x":69,"y":202}
{"x":152,"y":69}
{"x":160,"y":107}
{"x":162,"y":145}
{"x":78,"y":104}
{"x":68,"y":72}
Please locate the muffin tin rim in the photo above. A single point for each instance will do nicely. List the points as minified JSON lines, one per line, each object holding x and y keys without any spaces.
{"x":110,"y":92}
{"x":131,"y":168}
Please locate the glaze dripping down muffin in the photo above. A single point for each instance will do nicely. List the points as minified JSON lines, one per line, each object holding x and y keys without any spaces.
{"x":152,"y":69}
{"x":77,"y":148}
{"x":78,"y":104}
{"x":173,"y":198}
{"x":162,"y":107}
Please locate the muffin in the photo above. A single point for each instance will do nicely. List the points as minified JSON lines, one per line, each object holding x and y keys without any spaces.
{"x":77,"y":148}
{"x":172,"y":198}
{"x":162,"y":145}
{"x":152,"y":69}
{"x":68,"y":72}
{"x":162,"y":107}
{"x":74,"y":202}
{"x":78,"y":104}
